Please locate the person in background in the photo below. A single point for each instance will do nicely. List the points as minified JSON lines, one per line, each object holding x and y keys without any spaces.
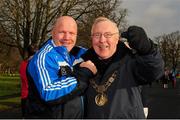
{"x":114,"y":91}
{"x":165,"y":78}
{"x":31,"y":50}
{"x":55,"y":89}
{"x":173,"y":77}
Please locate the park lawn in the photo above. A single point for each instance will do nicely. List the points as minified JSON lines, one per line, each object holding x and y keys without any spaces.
{"x":9,"y":86}
{"x":9,"y":103}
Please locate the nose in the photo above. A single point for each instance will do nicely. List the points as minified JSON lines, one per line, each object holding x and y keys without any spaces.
{"x":67,"y":35}
{"x":102,"y":38}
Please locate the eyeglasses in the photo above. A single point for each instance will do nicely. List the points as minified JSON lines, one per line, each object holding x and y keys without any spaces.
{"x":106,"y":35}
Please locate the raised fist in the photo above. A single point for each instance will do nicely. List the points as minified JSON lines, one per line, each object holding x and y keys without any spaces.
{"x":138,"y":39}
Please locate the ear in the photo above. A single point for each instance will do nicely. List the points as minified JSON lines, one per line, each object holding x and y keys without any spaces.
{"x":117,"y":38}
{"x":52,"y":33}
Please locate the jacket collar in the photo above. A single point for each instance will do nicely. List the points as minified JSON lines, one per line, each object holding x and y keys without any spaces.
{"x":121,"y":51}
{"x":103,"y":65}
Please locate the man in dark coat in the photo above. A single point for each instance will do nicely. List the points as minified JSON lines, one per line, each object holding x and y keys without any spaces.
{"x":114,"y":92}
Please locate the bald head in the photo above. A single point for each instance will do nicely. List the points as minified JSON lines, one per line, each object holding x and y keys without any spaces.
{"x":65,"y":19}
{"x":64,"y":32}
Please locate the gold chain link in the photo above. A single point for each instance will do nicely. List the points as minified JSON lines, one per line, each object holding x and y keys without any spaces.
{"x":103,"y":88}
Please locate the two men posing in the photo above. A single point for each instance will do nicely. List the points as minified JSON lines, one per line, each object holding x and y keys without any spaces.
{"x":68,"y":81}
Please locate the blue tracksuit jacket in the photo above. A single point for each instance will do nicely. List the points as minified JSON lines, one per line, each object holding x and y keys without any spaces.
{"x":49,"y":82}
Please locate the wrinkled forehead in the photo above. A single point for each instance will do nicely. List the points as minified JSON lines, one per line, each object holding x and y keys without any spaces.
{"x":104,"y":25}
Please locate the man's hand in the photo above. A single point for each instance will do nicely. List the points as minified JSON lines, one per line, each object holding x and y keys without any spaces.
{"x":138,"y":39}
{"x":90,"y":65}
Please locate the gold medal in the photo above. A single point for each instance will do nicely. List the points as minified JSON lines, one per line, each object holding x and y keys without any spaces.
{"x":101,"y":99}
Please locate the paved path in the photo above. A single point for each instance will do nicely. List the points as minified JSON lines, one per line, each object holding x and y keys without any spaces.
{"x":164,"y":103}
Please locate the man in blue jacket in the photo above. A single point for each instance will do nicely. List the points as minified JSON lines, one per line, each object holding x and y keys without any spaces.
{"x":54,"y":89}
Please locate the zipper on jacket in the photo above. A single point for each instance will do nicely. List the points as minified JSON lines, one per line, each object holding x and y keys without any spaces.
{"x":82,"y":106}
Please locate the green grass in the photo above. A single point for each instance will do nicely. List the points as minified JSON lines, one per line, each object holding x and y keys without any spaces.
{"x":9,"y":86}
{"x":9,"y":103}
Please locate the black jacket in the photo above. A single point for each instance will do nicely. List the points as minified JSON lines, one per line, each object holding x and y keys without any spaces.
{"x":124,"y":94}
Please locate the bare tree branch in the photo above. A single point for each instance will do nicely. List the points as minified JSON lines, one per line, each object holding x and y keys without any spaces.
{"x":29,"y":21}
{"x":170,"y":48}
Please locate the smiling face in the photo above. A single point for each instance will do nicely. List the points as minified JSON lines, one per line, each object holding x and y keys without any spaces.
{"x":64,"y":32}
{"x":105,"y":36}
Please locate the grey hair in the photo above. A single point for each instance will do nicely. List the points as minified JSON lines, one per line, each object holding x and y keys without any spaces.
{"x":103,"y":19}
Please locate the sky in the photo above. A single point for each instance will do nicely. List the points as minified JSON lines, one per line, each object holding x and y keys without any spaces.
{"x":157,"y":17}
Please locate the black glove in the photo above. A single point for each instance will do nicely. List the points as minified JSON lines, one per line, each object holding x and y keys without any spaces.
{"x":65,"y":71}
{"x":82,"y":75}
{"x":138,"y":39}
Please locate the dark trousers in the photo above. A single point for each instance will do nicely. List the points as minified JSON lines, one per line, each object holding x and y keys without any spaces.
{"x":23,"y":106}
